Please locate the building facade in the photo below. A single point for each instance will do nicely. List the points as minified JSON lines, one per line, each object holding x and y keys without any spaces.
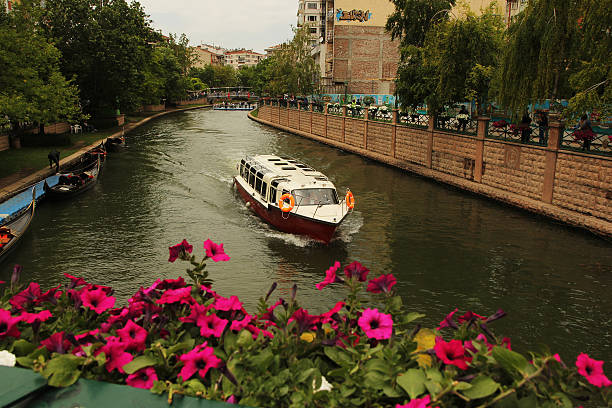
{"x":243,"y":58}
{"x":312,"y":13}
{"x":357,"y":55}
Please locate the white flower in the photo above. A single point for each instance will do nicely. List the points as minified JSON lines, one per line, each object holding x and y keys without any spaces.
{"x":325,"y":386}
{"x":7,"y":359}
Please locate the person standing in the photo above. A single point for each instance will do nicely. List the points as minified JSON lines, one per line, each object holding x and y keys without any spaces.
{"x":542,"y":121}
{"x":54,"y":157}
{"x":462,"y":117}
{"x":587,"y":131}
{"x":524,"y":127}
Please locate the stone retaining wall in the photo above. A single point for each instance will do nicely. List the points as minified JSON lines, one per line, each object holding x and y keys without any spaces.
{"x":573,"y":187}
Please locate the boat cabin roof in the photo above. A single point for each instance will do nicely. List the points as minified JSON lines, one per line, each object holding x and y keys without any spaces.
{"x":286,"y":172}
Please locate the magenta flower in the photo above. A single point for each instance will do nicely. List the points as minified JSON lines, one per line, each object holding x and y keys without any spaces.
{"x":26,"y":297}
{"x":238,"y":325}
{"x":416,"y":403}
{"x":50,"y":296}
{"x":356,"y":270}
{"x":116,"y":356}
{"x":8,"y":325}
{"x":215,"y":251}
{"x":75,"y":282}
{"x":225,"y":304}
{"x":200,"y":360}
{"x":97,"y":300}
{"x":303,"y":320}
{"x":256,"y":331}
{"x":448,"y":321}
{"x":133,"y":335}
{"x":211,"y":325}
{"x":57,"y":343}
{"x":269,"y":314}
{"x":31,"y":318}
{"x":383,"y":283}
{"x":179,"y":249}
{"x":182,"y":295}
{"x":143,"y":378}
{"x":592,"y":370}
{"x":330,"y":276}
{"x":469,"y":316}
{"x":376,"y":325}
{"x":452,"y":353}
{"x":327,"y":316}
{"x":198,"y":312}
{"x":169,"y":283}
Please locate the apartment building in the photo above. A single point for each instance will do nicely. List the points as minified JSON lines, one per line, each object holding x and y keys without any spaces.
{"x":514,"y":7}
{"x":204,"y":56}
{"x":312,"y":12}
{"x":243,"y":58}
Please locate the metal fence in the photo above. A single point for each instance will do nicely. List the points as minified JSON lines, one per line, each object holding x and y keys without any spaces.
{"x":531,"y":134}
{"x":335,"y":109}
{"x":414,"y":119}
{"x":380,"y":114}
{"x":317,"y":107}
{"x":599,"y":140}
{"x":356,"y":112}
{"x":458,"y":124}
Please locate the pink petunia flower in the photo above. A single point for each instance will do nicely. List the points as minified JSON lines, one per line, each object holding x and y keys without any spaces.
{"x":57,"y":343}
{"x":97,"y":300}
{"x":357,"y":271}
{"x":383,"y":283}
{"x":198,"y":312}
{"x":8,"y":325}
{"x":376,"y":325}
{"x":178,"y":249}
{"x":75,"y":282}
{"x":592,"y":370}
{"x":143,"y":378}
{"x":215,"y":251}
{"x":225,"y":304}
{"x":452,"y":353}
{"x":182,"y":295}
{"x":211,"y":325}
{"x":50,"y":296}
{"x":269,"y":314}
{"x":330,"y":276}
{"x":303,"y":319}
{"x":31,"y":318}
{"x":416,"y":403}
{"x":469,"y":315}
{"x":200,"y":360}
{"x":238,"y":325}
{"x":116,"y":356}
{"x":448,"y":321}
{"x":26,"y":297}
{"x":327,"y":316}
{"x":256,"y":331}
{"x":134,"y":335}
{"x":169,"y":283}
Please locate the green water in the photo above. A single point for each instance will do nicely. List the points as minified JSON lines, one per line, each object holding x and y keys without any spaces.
{"x":447,"y":248}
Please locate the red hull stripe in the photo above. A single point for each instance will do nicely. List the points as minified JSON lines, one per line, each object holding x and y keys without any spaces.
{"x":293,"y":224}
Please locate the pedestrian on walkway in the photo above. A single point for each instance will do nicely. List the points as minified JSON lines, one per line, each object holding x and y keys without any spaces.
{"x":54,"y":157}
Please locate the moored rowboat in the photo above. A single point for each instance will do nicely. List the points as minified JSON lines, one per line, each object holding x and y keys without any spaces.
{"x":12,"y":231}
{"x":291,"y":196}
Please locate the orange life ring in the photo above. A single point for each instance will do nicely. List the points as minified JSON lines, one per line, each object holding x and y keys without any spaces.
{"x":284,"y":207}
{"x":350,"y":200}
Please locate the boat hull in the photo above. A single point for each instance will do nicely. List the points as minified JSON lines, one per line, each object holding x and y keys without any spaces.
{"x":289,"y":222}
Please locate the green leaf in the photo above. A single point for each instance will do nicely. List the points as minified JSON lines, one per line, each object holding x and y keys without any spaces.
{"x":138,"y":363}
{"x":25,"y":362}
{"x":245,"y":338}
{"x":263,"y":359}
{"x":482,"y":386}
{"x":346,"y":392}
{"x":562,"y":400}
{"x":305,"y":375}
{"x":391,"y":392}
{"x":185,"y":345}
{"x":159,"y":387}
{"x":511,"y":361}
{"x":338,"y":356}
{"x":461,"y":386}
{"x":229,"y":342}
{"x":433,"y":374}
{"x":413,"y":382}
{"x":395,"y":302}
{"x":195,"y":385}
{"x":23,"y":347}
{"x":433,"y":387}
{"x":377,"y":364}
{"x":63,"y":370}
{"x":375,"y":380}
{"x":412,"y":316}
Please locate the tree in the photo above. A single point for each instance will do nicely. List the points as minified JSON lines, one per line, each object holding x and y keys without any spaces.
{"x":32,"y":88}
{"x":455,"y":63}
{"x":540,"y":54}
{"x":413,"y":18}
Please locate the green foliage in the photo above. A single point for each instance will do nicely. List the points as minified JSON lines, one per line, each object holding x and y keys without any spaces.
{"x":216,"y":76}
{"x":412,"y":19}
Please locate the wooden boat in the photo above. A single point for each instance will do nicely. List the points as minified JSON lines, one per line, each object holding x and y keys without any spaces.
{"x":291,"y":196}
{"x":13,"y":229}
{"x":72,"y":184}
{"x":114,"y":144}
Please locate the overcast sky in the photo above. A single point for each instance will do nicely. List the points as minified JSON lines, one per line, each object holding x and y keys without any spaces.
{"x":228,"y":23}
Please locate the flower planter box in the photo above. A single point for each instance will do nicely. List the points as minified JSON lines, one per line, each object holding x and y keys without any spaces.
{"x":154,"y":108}
{"x":4,"y":142}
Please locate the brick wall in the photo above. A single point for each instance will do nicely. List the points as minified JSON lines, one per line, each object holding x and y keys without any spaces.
{"x":579,"y":182}
{"x":583,"y":184}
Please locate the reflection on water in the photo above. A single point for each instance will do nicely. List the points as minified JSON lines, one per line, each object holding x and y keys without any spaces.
{"x":447,"y":248}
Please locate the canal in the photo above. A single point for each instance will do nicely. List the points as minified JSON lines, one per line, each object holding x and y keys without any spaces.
{"x":447,"y":248}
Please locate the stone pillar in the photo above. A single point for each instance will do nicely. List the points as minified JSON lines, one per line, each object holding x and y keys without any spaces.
{"x":481,"y":134}
{"x":343,"y":123}
{"x":366,"y":125}
{"x":299,"y":114}
{"x":555,"y":136}
{"x":394,"y":122}
{"x":310,"y":112}
{"x":430,"y":130}
{"x":325,"y":114}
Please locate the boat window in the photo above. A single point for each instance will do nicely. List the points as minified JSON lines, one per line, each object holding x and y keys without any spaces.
{"x":272,"y":195}
{"x":273,"y":159}
{"x":280,"y":164}
{"x":264,"y":188}
{"x":258,"y":185}
{"x":288,"y":168}
{"x":315,"y":196}
{"x":252,"y":179}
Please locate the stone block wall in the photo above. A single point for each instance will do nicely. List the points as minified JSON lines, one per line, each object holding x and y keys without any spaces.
{"x":515,"y":168}
{"x":580,"y":183}
{"x":583,"y":184}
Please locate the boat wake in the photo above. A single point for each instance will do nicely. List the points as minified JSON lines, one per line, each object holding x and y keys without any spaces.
{"x":348,"y":228}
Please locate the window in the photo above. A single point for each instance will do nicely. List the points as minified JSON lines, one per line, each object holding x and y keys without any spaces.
{"x":315,"y":196}
{"x":313,"y":30}
{"x":312,"y":18}
{"x":312,"y":6}
{"x":264,"y":188}
{"x":272,"y":195}
{"x":252,"y":179}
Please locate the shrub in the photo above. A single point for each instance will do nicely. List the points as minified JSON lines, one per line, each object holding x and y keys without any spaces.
{"x":364,"y":352}
{"x":37,"y":140}
{"x":104,"y":122}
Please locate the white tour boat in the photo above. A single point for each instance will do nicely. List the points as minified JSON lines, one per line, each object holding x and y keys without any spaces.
{"x":292,"y":196}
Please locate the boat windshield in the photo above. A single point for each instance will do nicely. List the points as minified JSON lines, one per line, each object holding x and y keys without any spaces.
{"x":315,"y":196}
